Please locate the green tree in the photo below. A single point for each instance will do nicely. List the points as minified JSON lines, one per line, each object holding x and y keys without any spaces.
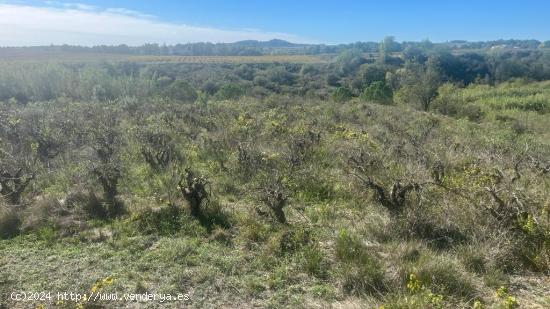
{"x":369,"y":73}
{"x":420,"y":84}
{"x":378,"y":92}
{"x":348,"y":61}
{"x":181,"y":90}
{"x":342,"y":94}
{"x":229,"y":92}
{"x":386,"y":47}
{"x":280,"y":75}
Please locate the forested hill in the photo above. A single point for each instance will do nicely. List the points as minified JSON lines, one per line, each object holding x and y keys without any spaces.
{"x":276,"y":46}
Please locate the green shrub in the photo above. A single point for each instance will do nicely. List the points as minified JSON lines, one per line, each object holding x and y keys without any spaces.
{"x":163,"y":81}
{"x":473,"y":259}
{"x":421,"y":224}
{"x":443,"y":275}
{"x":46,"y":233}
{"x":534,"y":250}
{"x":348,"y":61}
{"x":359,"y":269}
{"x":167,"y":221}
{"x":378,"y":92}
{"x":42,"y":212}
{"x":221,"y":235}
{"x":333,"y":80}
{"x":370,"y":73}
{"x":252,"y":230}
{"x":313,"y":261}
{"x":214,"y":216}
{"x":420,"y":300}
{"x":450,"y":101}
{"x":181,"y":91}
{"x":289,"y":240}
{"x":293,"y":239}
{"x":10,"y":223}
{"x":348,"y":248}
{"x":280,"y":75}
{"x":494,"y":278}
{"x":342,"y":94}
{"x":507,"y":301}
{"x":229,"y":92}
{"x":86,"y":205}
{"x":362,"y":278}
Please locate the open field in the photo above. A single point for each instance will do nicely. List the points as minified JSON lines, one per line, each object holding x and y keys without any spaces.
{"x":25,"y":56}
{"x":229,"y":59}
{"x":42,"y":56}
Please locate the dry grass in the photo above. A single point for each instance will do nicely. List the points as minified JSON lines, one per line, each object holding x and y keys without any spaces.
{"x":30,"y":56}
{"x":229,"y":59}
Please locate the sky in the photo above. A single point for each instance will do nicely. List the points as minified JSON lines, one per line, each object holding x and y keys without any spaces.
{"x":135,"y":22}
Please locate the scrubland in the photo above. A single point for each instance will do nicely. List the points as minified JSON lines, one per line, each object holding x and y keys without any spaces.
{"x":274,"y":185}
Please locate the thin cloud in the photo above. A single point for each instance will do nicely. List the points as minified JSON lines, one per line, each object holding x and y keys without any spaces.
{"x":80,"y":24}
{"x":71,"y":5}
{"x":128,"y":12}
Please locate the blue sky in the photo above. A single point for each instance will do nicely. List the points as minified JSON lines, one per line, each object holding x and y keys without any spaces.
{"x":89,"y":22}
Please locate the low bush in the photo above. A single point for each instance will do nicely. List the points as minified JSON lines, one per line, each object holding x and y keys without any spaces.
{"x":86,"y":205}
{"x":181,"y":91}
{"x":43,"y":211}
{"x":167,"y":221}
{"x":342,"y":94}
{"x":229,"y":92}
{"x":378,"y":92}
{"x":443,"y":275}
{"x":359,"y":268}
{"x":314,"y":262}
{"x":288,"y":240}
{"x":10,"y":223}
{"x":450,"y":102}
